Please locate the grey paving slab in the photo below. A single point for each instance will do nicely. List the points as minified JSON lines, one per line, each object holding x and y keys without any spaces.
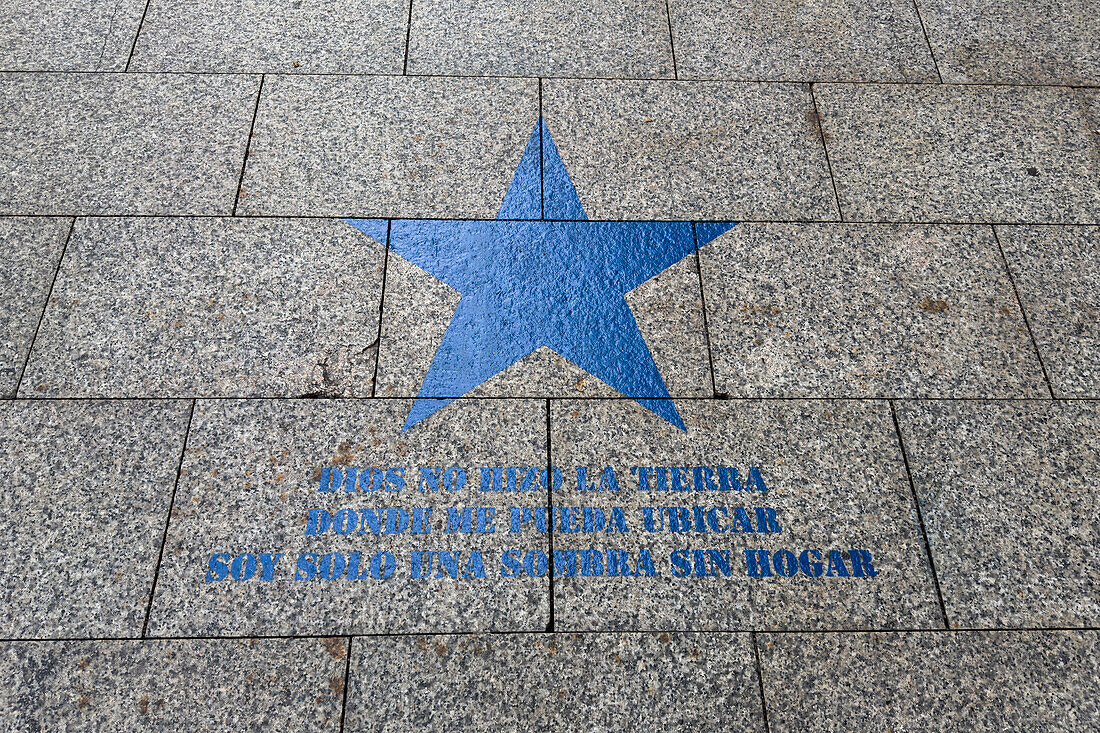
{"x":620,"y":38}
{"x":68,"y":35}
{"x":210,"y":306}
{"x":846,"y":310}
{"x":980,"y":681}
{"x":254,"y":470}
{"x":418,"y":309}
{"x":211,"y":685}
{"x":833,"y":479}
{"x":1009,"y":496}
{"x":29,"y":254}
{"x":1057,"y":271}
{"x":387,"y":146}
{"x":961,"y":153}
{"x":115,"y":144}
{"x":851,"y":40}
{"x":690,"y":150}
{"x":1003,"y":42}
{"x":589,"y":682}
{"x":348,"y":37}
{"x":83,"y":500}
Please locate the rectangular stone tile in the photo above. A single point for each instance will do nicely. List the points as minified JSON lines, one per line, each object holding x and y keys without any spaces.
{"x":387,"y":146}
{"x":584,"y":682}
{"x":1009,"y":494}
{"x":348,"y":37}
{"x":1004,"y":42}
{"x":1057,"y":273}
{"x":29,"y":252}
{"x":667,"y":308}
{"x":690,"y":150}
{"x":931,"y":681}
{"x":211,"y":685}
{"x":68,"y":35}
{"x":115,"y":144}
{"x":84,"y":496}
{"x":851,"y":40}
{"x":848,"y":310}
{"x":814,"y":484}
{"x":620,"y":38}
{"x":254,"y":471}
{"x":961,"y":153}
{"x":221,"y":307}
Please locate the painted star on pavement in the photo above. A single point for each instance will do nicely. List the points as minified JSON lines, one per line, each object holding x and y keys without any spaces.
{"x":541,"y":274}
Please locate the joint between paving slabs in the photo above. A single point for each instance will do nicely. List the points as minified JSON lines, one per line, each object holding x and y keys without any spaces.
{"x":706,"y":323}
{"x":928,"y":42}
{"x":550,"y":625}
{"x":168,"y":520}
{"x":671,"y":41}
{"x":920,"y":515}
{"x":381,"y":305}
{"x":137,"y":34}
{"x":347,"y":679}
{"x":45,"y":304}
{"x":248,"y":147}
{"x":1023,"y":312}
{"x":825,"y":148}
{"x":760,"y":680}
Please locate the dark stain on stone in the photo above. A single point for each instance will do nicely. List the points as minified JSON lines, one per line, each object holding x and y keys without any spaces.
{"x":933,"y":305}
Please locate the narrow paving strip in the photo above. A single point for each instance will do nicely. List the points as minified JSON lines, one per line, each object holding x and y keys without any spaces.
{"x":639,"y":365}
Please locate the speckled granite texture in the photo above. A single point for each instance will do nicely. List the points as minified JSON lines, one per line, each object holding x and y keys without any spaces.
{"x":757,"y":40}
{"x":979,"y":681}
{"x":797,"y":310}
{"x":215,"y":306}
{"x":29,"y":252}
{"x":348,"y":37}
{"x":1011,"y":502}
{"x":1057,"y":271}
{"x":209,"y":685}
{"x":84,"y":490}
{"x":387,"y":146}
{"x":961,"y":153}
{"x":115,"y":144}
{"x":887,"y":324}
{"x":619,"y":38}
{"x":699,"y":150}
{"x":590,"y":682}
{"x":68,"y":35}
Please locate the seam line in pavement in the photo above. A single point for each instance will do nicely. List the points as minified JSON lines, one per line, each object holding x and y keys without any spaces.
{"x":248,"y":147}
{"x":706,"y":324}
{"x":408,"y":37}
{"x":671,"y":41}
{"x":920,"y":515}
{"x":1023,"y":312}
{"x":536,"y":632}
{"x":688,"y":398}
{"x":381,"y":306}
{"x":760,"y":680}
{"x":709,"y":80}
{"x":347,"y":677}
{"x":168,"y":520}
{"x":551,"y":625}
{"x":45,"y":305}
{"x":137,"y":35}
{"x":738,"y":219}
{"x":927,"y":41}
{"x":828,"y":162}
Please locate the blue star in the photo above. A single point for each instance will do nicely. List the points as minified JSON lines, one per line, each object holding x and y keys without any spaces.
{"x":541,"y":274}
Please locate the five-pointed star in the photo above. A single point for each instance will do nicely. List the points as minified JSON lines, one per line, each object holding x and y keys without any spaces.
{"x":541,"y":274}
